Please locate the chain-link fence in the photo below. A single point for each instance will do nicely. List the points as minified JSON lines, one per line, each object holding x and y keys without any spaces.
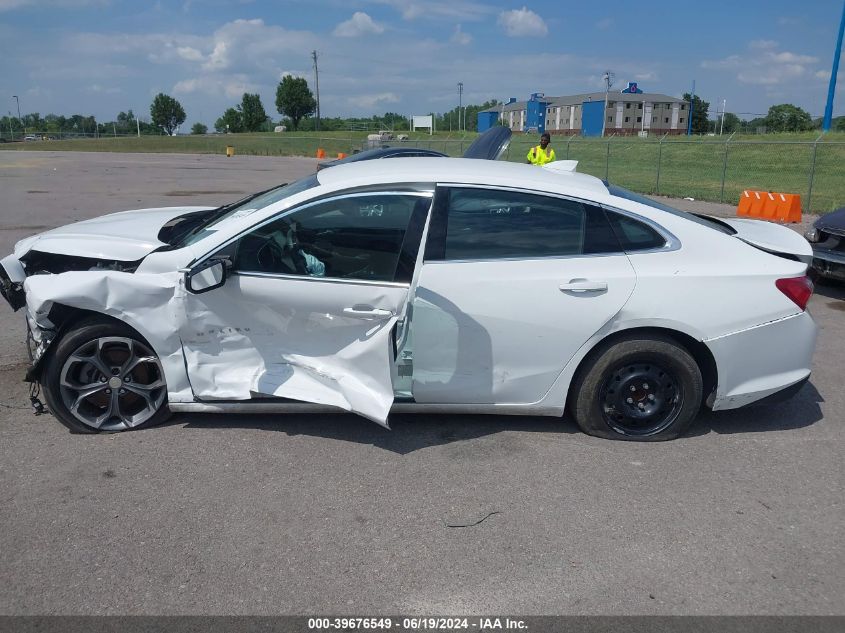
{"x":709,"y":170}
{"x":704,"y":169}
{"x":712,"y":170}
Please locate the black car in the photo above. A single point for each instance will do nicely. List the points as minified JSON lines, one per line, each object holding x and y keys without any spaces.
{"x":828,"y":239}
{"x":488,"y":146}
{"x":381,"y":152}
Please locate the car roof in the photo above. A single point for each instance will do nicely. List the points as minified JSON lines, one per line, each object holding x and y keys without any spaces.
{"x":458,"y":170}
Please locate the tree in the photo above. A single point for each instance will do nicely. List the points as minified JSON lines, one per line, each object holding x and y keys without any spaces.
{"x":253,"y":116}
{"x":294,"y":99}
{"x":199,"y":128}
{"x":699,"y":114}
{"x":167,"y":113}
{"x":231,"y":121}
{"x":730,"y":124}
{"x":788,"y":118}
{"x":840,"y":124}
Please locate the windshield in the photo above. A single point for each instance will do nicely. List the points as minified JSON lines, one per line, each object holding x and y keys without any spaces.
{"x":713,"y":223}
{"x":246,"y":207}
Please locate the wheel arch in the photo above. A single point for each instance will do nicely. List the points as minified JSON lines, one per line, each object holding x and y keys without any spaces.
{"x":697,"y":349}
{"x":65,"y":318}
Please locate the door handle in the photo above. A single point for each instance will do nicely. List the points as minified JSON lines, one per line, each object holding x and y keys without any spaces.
{"x":367,"y":313}
{"x":584,"y":285}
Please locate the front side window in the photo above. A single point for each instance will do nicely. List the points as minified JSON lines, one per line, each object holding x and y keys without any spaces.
{"x":372,"y":237}
{"x":493,"y":224}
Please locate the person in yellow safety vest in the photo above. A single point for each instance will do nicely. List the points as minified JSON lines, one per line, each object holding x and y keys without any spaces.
{"x":542,"y":153}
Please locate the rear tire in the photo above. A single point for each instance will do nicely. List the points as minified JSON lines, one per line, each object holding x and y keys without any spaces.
{"x":645,"y":388}
{"x":103,"y":376}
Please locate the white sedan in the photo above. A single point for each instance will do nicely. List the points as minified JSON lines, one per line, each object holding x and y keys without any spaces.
{"x":420,"y":285}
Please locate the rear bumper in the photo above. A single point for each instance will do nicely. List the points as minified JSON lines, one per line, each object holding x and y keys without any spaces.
{"x":762,"y":361}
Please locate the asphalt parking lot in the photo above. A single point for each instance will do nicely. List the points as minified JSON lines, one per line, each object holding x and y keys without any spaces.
{"x":331,"y":514}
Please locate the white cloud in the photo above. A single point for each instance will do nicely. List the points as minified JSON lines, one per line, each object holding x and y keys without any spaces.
{"x":109,"y":90}
{"x":9,"y":5}
{"x":232,"y":86}
{"x":522,"y":23}
{"x":792,"y":58}
{"x":762,"y":44}
{"x":358,"y":25}
{"x":763,"y":65}
{"x":459,"y":37}
{"x":646,"y":76}
{"x":190,"y":54}
{"x":369,"y":101}
{"x":466,"y":10}
{"x":604,"y":24}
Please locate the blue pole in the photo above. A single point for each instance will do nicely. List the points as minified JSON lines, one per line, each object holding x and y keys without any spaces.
{"x":828,"y":109}
{"x":691,"y":108}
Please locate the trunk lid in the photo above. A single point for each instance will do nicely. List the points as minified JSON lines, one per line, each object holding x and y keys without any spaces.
{"x":770,"y":237}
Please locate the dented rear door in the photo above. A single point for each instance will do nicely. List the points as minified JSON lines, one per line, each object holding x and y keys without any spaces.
{"x":309,"y":310}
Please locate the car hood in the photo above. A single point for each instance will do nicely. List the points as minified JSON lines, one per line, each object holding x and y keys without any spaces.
{"x":833,"y":222}
{"x":771,"y":237}
{"x":125,"y":236}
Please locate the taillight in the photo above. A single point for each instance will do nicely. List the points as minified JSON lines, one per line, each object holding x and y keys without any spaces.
{"x":798,"y":289}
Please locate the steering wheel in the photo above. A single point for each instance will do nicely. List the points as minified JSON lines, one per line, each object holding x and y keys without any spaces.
{"x":271,"y":258}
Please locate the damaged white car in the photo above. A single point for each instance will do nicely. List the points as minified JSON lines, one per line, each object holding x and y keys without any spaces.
{"x":424,"y":285}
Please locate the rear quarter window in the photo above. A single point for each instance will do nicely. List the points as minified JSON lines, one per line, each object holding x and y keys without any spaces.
{"x":634,"y":235}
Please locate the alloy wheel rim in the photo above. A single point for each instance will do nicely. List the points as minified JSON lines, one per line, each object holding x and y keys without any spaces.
{"x":112,"y":383}
{"x":641,"y":399}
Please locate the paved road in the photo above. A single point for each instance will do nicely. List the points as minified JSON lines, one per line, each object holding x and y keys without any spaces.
{"x":332,"y":514}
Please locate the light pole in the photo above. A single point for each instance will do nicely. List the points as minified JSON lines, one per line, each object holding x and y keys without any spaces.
{"x":20,"y":120}
{"x":828,"y":109}
{"x":460,"y":101}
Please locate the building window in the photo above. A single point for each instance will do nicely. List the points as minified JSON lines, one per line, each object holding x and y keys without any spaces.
{"x":627,"y":106}
{"x":683,"y":106}
{"x":627,"y":118}
{"x":639,"y":106}
{"x":654,"y":119}
{"x":611,"y":104}
{"x":681,"y":120}
{"x":639,"y":119}
{"x":667,"y":119}
{"x":609,"y":119}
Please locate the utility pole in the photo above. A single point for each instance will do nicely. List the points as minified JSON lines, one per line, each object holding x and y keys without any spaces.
{"x":691,"y":108}
{"x":608,"y":82}
{"x":722,"y":126}
{"x":317,"y":86}
{"x":20,"y":120}
{"x":460,"y":101}
{"x":828,"y":109}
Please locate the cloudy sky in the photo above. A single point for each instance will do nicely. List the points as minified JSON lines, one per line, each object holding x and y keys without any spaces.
{"x":100,"y":57}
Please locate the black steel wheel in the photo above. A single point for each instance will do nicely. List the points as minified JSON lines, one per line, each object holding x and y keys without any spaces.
{"x":641,"y":388}
{"x":103,"y":376}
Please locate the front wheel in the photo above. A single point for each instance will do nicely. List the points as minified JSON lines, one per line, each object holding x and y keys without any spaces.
{"x":647,"y":388}
{"x":103,"y":376}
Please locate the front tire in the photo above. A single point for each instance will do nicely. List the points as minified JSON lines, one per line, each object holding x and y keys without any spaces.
{"x":103,"y":376}
{"x":643,"y":388}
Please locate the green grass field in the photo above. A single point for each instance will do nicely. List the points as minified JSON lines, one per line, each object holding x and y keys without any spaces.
{"x":687,"y":167}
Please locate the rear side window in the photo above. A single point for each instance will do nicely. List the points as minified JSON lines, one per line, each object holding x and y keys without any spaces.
{"x":634,"y":235}
{"x":493,"y":224}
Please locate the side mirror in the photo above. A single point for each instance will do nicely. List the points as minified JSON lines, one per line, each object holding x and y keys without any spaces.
{"x":207,"y":276}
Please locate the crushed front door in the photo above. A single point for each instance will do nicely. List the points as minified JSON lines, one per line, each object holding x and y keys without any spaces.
{"x":309,"y":310}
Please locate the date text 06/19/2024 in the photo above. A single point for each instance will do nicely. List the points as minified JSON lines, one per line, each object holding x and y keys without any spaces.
{"x":417,"y":624}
